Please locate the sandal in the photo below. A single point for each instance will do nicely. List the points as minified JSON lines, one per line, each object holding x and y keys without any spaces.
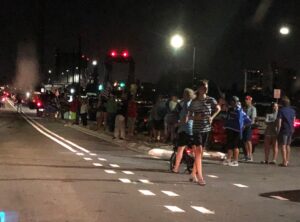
{"x":193,"y":179}
{"x":283,"y":165}
{"x":202,"y":182}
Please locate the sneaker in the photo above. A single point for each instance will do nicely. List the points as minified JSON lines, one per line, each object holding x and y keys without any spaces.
{"x":273,"y":162}
{"x":234,"y":164}
{"x":245,"y":158}
{"x":226,"y":162}
{"x":250,"y":159}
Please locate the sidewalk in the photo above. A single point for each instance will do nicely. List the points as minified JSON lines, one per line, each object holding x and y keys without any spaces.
{"x":140,"y":144}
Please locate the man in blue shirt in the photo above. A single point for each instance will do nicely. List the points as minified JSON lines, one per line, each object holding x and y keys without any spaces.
{"x":285,"y":129}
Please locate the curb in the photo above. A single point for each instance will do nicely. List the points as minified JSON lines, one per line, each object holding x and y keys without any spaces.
{"x":164,"y":152}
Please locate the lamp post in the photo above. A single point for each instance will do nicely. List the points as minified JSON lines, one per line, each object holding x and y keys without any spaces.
{"x":177,"y":41}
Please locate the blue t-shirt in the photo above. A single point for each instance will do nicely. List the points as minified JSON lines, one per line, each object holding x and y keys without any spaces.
{"x":185,"y":127}
{"x":287,"y":116}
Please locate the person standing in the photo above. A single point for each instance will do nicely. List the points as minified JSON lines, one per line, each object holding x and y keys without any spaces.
{"x":19,"y":103}
{"x":203,"y":110}
{"x":247,"y":134}
{"x":101,"y":114}
{"x":185,"y":130}
{"x":84,"y":112}
{"x":285,"y":129}
{"x":119,"y":129}
{"x":131,"y":115}
{"x":171,"y":118}
{"x":270,"y":141}
{"x":234,"y":125}
{"x":111,"y":108}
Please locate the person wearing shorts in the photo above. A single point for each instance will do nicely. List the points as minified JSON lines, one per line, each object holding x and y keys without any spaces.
{"x":235,"y":122}
{"x":203,"y":110}
{"x":285,"y":126}
{"x":270,"y":141}
{"x":184,"y":128}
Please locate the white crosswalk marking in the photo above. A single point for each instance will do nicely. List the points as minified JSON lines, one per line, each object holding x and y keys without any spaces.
{"x":125,"y":180}
{"x":102,"y":159}
{"x":145,"y":181}
{"x":212,"y":176}
{"x":279,"y":198}
{"x":240,"y":185}
{"x":80,"y":154}
{"x":93,"y":154}
{"x":128,"y":172}
{"x":97,"y":164}
{"x":147,"y":192}
{"x":114,"y":165}
{"x":87,"y":158}
{"x":174,"y":209}
{"x":110,"y":171}
{"x":203,"y":210}
{"x":170,"y":193}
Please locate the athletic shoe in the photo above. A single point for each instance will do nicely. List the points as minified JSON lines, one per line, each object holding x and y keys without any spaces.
{"x":234,"y":164}
{"x":226,"y":162}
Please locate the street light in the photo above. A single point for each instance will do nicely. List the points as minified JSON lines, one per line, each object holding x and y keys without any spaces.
{"x":49,"y":71}
{"x":94,"y":62}
{"x":284,"y":30}
{"x":177,"y":41}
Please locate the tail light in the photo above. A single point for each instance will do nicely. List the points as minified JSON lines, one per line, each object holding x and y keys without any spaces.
{"x":39,"y":104}
{"x":3,"y":99}
{"x":189,"y":151}
{"x":297,"y":123}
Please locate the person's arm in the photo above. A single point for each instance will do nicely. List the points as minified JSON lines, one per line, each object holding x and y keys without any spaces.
{"x":217,"y":109}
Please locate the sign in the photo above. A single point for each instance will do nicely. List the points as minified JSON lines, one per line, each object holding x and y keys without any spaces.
{"x":277,"y":93}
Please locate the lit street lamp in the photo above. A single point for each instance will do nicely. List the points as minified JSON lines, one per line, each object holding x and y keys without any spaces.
{"x":284,"y":30}
{"x":94,"y":63}
{"x":49,"y":71}
{"x":177,"y":41}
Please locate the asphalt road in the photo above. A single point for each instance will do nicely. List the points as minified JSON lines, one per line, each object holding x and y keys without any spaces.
{"x":50,"y":172}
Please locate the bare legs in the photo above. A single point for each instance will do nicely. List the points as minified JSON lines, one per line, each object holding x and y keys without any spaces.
{"x":248,"y":146}
{"x":178,"y":158}
{"x":285,"y":151}
{"x":270,"y":142}
{"x":197,"y":169}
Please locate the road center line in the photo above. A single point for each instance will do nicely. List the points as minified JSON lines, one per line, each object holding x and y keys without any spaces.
{"x":97,"y":164}
{"x":203,"y":210}
{"x":147,"y":192}
{"x":170,"y":193}
{"x":110,"y":171}
{"x":128,"y":172}
{"x":174,"y":209}
{"x":114,"y":165}
{"x":125,"y":180}
{"x":145,"y":181}
{"x":87,"y":158}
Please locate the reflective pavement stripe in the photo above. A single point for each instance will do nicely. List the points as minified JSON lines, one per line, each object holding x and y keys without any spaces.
{"x":125,"y":180}
{"x":128,"y":172}
{"x":170,"y":193}
{"x":147,"y":192}
{"x":87,"y":158}
{"x":80,"y":154}
{"x":97,"y":164}
{"x":174,"y":209}
{"x":145,"y":181}
{"x":93,"y":154}
{"x":114,"y":165}
{"x":203,"y":210}
{"x":110,"y":171}
{"x":102,"y":159}
{"x":240,"y":185}
{"x":212,"y":176}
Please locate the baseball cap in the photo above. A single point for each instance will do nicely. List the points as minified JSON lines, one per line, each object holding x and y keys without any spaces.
{"x":235,"y":99}
{"x":248,"y":98}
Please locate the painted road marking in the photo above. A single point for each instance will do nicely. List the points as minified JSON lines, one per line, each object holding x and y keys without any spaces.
{"x":279,"y":198}
{"x":80,"y":154}
{"x":128,"y":172}
{"x":97,"y":164}
{"x":145,"y":181}
{"x":212,"y":176}
{"x":102,"y":159}
{"x":203,"y":210}
{"x":125,"y":180}
{"x":147,"y":192}
{"x":174,"y":209}
{"x":170,"y":193}
{"x":93,"y":154}
{"x":114,"y":165}
{"x":240,"y":185}
{"x":87,"y":158}
{"x":110,"y":171}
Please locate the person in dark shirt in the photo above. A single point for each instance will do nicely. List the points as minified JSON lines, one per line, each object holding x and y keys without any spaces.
{"x":285,"y":129}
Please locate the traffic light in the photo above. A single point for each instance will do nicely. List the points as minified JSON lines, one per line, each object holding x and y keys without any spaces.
{"x":100,"y":87}
{"x":122,"y":84}
{"x":115,"y":56}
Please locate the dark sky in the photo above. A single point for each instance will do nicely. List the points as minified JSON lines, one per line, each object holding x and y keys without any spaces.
{"x":225,"y":33}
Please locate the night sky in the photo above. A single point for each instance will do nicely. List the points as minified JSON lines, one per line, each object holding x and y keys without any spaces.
{"x":228,"y":34}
